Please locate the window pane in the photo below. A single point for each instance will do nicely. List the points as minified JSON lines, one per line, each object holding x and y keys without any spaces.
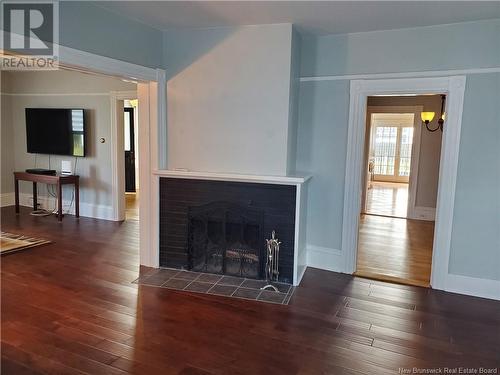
{"x":405,"y":151}
{"x":385,"y":149}
{"x":126,"y":123}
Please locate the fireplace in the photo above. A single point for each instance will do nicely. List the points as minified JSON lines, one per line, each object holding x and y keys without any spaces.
{"x":226,"y":238}
{"x":221,"y":227}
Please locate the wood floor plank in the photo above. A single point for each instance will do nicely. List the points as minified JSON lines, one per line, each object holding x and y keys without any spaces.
{"x":395,"y":249}
{"x":70,"y":307}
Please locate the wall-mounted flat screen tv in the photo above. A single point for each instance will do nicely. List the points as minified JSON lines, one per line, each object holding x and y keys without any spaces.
{"x":56,"y":131}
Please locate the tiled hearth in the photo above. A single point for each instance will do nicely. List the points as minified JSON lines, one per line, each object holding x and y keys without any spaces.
{"x":228,"y":286}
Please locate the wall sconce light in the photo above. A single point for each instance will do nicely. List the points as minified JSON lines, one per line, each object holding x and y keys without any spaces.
{"x":427,"y":117}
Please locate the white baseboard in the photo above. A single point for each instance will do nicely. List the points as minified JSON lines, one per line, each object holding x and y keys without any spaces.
{"x":86,"y":209}
{"x":325,"y":258}
{"x":423,"y":213}
{"x":7,"y":199}
{"x":473,"y":286}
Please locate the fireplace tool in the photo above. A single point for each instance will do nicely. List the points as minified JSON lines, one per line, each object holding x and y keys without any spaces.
{"x":273,"y":253}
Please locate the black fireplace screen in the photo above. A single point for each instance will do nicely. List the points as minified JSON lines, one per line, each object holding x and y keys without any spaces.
{"x":226,"y":238}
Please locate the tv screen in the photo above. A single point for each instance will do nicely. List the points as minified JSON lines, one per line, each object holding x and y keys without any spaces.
{"x":55,"y":131}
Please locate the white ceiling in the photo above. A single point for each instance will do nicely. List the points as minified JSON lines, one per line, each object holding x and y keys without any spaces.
{"x":312,"y":17}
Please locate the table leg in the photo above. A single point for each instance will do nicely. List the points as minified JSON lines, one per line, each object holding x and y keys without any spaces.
{"x":16,"y":194}
{"x":59,"y":201}
{"x":35,"y":197}
{"x":77,"y":199}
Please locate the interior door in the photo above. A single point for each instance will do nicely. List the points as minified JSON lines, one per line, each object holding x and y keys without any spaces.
{"x":128,"y":124}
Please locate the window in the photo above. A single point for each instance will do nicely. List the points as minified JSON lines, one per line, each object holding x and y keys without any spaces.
{"x":405,"y":151}
{"x":391,"y":146}
{"x":385,"y":149}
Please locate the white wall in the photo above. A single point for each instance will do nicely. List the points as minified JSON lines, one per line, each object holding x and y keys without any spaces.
{"x":293,"y":110}
{"x":62,"y":89}
{"x":228,"y":104}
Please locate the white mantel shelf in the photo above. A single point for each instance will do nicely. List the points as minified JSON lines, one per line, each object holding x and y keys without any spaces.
{"x":279,"y":180}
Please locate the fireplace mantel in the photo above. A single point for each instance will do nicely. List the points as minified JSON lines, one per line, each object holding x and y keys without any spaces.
{"x":297,"y":179}
{"x":299,"y":184}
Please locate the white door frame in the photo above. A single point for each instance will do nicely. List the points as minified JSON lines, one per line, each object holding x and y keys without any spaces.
{"x":415,"y":150}
{"x":454,"y":88}
{"x":151,"y":92}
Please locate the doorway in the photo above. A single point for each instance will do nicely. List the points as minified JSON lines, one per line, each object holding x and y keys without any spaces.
{"x":360,"y":90}
{"x":392,"y":245}
{"x":390,"y":156}
{"x":130,"y":132}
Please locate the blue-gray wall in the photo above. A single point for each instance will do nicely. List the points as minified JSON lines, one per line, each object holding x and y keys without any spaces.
{"x":455,"y":46}
{"x":183,"y":47}
{"x":88,"y":27}
{"x":323,"y":119}
{"x":476,"y":223}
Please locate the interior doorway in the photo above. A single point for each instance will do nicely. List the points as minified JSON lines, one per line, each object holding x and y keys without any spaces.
{"x":131,"y":146}
{"x":394,"y":244}
{"x":391,"y":155}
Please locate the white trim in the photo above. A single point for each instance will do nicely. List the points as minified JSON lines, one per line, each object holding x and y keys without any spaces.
{"x":300,"y":250}
{"x":473,"y":286}
{"x":280,"y":180}
{"x":158,"y":125}
{"x":325,"y":258}
{"x":423,"y":74}
{"x":414,"y":164}
{"x":454,"y":87}
{"x":149,"y":199}
{"x":117,"y":154}
{"x":162,"y":119}
{"x":7,"y":199}
{"x":448,"y":166}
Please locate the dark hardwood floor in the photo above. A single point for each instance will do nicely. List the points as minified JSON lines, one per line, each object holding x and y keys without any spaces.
{"x":70,"y":308}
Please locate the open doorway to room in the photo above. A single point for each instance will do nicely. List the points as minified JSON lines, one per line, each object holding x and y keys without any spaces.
{"x":389,"y":156}
{"x":131,"y":146}
{"x":401,"y":172}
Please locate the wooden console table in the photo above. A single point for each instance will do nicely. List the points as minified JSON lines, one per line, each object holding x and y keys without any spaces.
{"x":58,"y":180}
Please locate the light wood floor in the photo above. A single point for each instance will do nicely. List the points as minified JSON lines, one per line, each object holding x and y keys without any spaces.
{"x":132,"y":206}
{"x":395,"y":249}
{"x":387,"y":198}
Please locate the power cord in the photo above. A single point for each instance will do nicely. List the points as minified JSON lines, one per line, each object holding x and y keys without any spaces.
{"x":53,"y":194}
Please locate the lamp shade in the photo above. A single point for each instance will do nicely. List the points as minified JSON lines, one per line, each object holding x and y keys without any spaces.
{"x":427,"y":116}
